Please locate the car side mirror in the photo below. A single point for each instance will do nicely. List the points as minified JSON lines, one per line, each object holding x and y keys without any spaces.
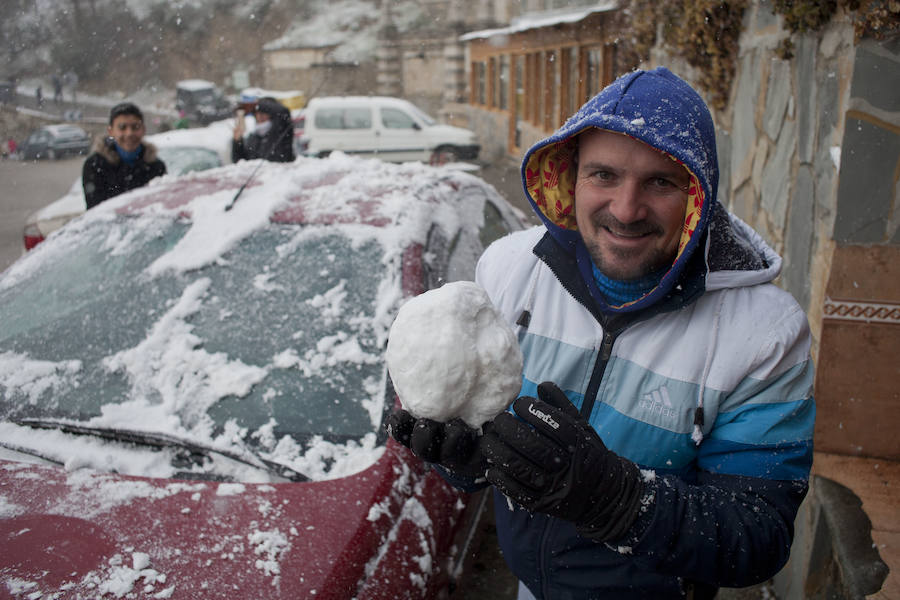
{"x":416,"y":126}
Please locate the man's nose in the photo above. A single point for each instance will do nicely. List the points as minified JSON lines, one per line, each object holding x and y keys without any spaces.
{"x":627,"y":203}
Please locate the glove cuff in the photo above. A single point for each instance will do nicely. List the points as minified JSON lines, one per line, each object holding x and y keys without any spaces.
{"x":614,"y":518}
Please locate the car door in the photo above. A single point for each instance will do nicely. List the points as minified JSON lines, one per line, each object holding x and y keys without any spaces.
{"x":401,"y":137}
{"x":346,"y":128}
{"x":36,"y":144}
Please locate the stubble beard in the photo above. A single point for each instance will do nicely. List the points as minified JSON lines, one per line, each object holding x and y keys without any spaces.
{"x":624,"y":264}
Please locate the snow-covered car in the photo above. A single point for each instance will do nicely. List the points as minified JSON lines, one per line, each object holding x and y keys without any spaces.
{"x":193,"y":387}
{"x":391,"y":129}
{"x":183,"y":151}
{"x":55,"y":141}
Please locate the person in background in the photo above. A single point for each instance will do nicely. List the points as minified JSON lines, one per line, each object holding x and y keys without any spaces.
{"x":57,"y":89}
{"x":273,"y":137}
{"x":121,"y":160}
{"x":661,"y":443}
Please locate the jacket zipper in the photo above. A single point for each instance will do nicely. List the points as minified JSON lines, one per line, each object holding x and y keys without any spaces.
{"x":593,"y":387}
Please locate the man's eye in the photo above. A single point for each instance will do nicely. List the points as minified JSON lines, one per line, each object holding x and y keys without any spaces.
{"x":602,"y":176}
{"x":662,"y":184}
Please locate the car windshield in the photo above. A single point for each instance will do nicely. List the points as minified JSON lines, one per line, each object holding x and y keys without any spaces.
{"x":270,"y":347}
{"x":184,"y":159}
{"x":423,"y":116}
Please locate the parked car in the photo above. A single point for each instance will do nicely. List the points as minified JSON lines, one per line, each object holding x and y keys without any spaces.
{"x":55,"y":141}
{"x":183,"y":151}
{"x":192,"y":398}
{"x":392,"y":129}
{"x":202,"y":101}
{"x":7,"y":91}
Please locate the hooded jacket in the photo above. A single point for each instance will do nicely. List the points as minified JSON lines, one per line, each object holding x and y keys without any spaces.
{"x":277,"y":145}
{"x":104,"y":175}
{"x":705,"y":382}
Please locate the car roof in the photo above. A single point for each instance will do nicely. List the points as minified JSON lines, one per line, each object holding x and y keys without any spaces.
{"x":62,"y":128}
{"x":396,"y":203}
{"x":370,"y":100}
{"x":195,"y":84}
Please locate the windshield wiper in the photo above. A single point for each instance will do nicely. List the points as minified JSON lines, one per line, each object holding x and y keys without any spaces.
{"x":30,"y":452}
{"x":163,"y":440}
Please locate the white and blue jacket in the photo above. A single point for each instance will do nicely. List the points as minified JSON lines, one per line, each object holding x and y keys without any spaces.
{"x":705,"y":382}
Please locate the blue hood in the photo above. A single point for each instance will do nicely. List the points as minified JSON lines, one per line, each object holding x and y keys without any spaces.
{"x":657,"y":108}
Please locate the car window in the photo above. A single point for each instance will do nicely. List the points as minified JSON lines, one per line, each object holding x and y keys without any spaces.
{"x":393,"y":118}
{"x":464,"y":250}
{"x":357,"y":118}
{"x":184,"y":159}
{"x":494,"y":226}
{"x":289,"y":312}
{"x":344,"y":118}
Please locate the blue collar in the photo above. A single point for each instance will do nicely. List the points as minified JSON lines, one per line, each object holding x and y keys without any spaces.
{"x":618,"y":292}
{"x":129,"y":158}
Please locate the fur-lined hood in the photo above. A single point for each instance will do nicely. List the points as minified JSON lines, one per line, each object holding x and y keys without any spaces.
{"x":105,"y":147}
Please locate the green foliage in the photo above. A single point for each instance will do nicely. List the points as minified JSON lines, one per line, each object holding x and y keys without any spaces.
{"x":878,"y":19}
{"x":704,"y":32}
{"x":805,"y":15}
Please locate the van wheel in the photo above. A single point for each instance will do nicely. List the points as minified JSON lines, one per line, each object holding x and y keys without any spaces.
{"x":443,"y":155}
{"x":323,"y":154}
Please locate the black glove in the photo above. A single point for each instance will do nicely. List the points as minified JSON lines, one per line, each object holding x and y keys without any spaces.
{"x":452,"y":445}
{"x":551,"y":460}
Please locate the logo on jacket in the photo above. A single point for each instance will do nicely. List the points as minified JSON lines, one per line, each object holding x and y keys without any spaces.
{"x":658,"y":402}
{"x":543,"y":416}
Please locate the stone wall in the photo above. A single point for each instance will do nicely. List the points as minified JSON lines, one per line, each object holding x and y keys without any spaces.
{"x":810,"y":154}
{"x":779,"y":144}
{"x":809,"y":149}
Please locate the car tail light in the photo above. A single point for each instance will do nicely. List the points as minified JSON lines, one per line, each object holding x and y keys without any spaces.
{"x":32,"y":236}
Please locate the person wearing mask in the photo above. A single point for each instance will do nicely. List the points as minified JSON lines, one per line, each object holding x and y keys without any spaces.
{"x":271,"y":139}
{"x":121,"y":160}
{"x":661,"y":443}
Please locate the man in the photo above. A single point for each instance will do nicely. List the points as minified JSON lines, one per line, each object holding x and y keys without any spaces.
{"x":662,"y":441}
{"x":272,"y":138}
{"x":121,"y":161}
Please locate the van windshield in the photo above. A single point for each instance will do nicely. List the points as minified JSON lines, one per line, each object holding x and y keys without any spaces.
{"x":424,"y":117}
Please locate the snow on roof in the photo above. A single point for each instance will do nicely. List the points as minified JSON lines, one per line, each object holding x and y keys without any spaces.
{"x":195,"y":84}
{"x":542,"y":19}
{"x":349,"y":27}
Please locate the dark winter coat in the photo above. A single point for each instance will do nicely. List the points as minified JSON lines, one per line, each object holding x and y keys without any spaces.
{"x":104,"y":175}
{"x":278,"y":143}
{"x":705,"y":382}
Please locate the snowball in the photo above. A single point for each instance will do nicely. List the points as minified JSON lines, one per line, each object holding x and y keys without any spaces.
{"x":450,"y":354}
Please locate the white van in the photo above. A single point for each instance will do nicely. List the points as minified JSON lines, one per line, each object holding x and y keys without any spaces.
{"x":392,"y":129}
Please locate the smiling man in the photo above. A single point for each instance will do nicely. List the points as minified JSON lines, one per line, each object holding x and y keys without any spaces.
{"x":121,"y":161}
{"x":662,"y":439}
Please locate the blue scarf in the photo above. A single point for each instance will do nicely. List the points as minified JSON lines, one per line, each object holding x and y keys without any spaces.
{"x":618,"y":292}
{"x":129,"y":158}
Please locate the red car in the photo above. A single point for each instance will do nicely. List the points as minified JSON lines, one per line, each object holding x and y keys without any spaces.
{"x":192,"y":387}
